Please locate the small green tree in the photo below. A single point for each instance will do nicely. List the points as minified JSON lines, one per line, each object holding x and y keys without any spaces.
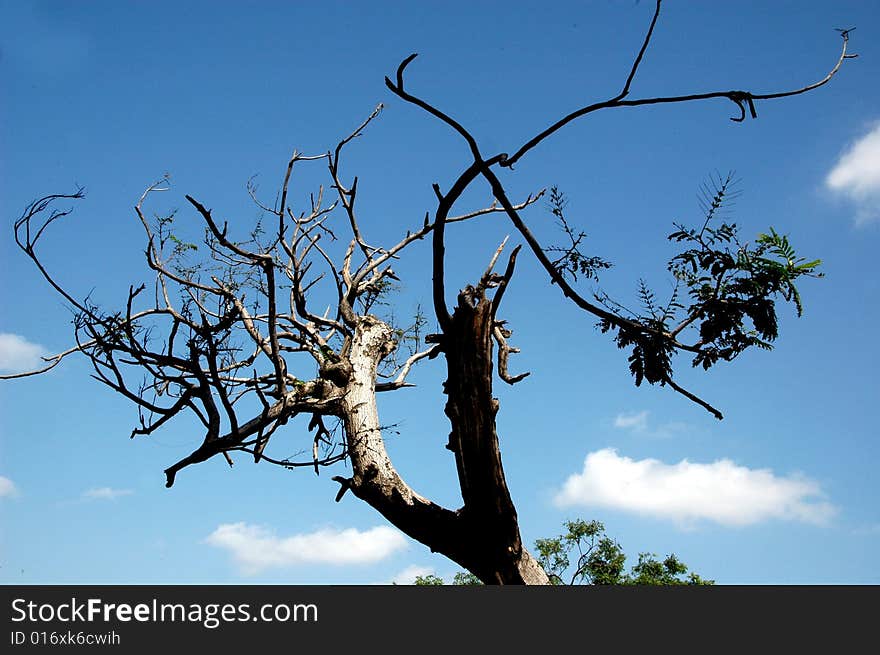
{"x":465,"y":579}
{"x":427,"y":580}
{"x":586,"y":555}
{"x":650,"y":571}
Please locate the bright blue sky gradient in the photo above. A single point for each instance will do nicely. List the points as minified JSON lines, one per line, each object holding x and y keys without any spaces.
{"x":111,"y":95}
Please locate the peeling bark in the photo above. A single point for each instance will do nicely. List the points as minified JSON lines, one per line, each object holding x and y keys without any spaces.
{"x":375,"y":480}
{"x":483,"y":536}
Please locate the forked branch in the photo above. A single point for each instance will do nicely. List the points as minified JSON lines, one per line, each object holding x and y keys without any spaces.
{"x":740,"y":98}
{"x":631,"y":331}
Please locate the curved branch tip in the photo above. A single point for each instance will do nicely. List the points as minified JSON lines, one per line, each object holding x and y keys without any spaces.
{"x":406,"y":62}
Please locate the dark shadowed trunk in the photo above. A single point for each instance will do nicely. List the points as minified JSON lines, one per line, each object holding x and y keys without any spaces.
{"x":498,"y":554}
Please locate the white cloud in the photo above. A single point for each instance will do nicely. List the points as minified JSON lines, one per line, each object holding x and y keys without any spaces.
{"x":857,"y":176}
{"x":256,"y":548}
{"x":636,"y":422}
{"x":410,"y":573}
{"x":105,"y":493}
{"x":7,"y":488}
{"x":688,"y":492}
{"x":17,"y":354}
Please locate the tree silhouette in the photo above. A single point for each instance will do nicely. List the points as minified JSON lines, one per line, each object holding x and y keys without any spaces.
{"x":233,"y":330}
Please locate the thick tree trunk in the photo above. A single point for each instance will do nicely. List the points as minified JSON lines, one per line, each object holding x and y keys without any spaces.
{"x":482,"y":536}
{"x":471,"y":408}
{"x":374,"y":478}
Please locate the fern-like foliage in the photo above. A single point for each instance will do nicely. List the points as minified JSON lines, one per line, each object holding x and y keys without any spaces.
{"x":732,"y":286}
{"x":570,"y":260}
{"x":724,"y":290}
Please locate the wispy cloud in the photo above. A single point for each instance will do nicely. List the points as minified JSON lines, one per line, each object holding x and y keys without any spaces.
{"x":17,"y":354}
{"x":687,"y":492}
{"x":856,"y":176}
{"x":7,"y":488}
{"x":638,"y":421}
{"x":410,"y":573}
{"x":256,"y":548}
{"x":105,"y":493}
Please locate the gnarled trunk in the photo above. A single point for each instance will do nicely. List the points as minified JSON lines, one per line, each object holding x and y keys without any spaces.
{"x":483,"y":536}
{"x":374,"y":479}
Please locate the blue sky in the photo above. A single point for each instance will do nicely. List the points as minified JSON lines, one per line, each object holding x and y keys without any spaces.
{"x":113,"y":95}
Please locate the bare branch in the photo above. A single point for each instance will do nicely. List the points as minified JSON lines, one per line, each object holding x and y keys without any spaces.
{"x":282,"y":207}
{"x":495,"y":209}
{"x":400,"y":381}
{"x":739,"y":98}
{"x":31,"y":236}
{"x":428,"y":226}
{"x":398,"y":89}
{"x":702,"y":403}
{"x":289,"y":464}
{"x":221,"y":237}
{"x":309,"y":397}
{"x":504,"y":352}
{"x":347,"y":196}
{"x":540,"y":254}
{"x":53,"y":360}
{"x":487,"y":274}
{"x":344,"y":485}
{"x":641,"y":54}
{"x":439,"y":250}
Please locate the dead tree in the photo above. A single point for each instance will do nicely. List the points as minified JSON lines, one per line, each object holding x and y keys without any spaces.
{"x":236,"y":339}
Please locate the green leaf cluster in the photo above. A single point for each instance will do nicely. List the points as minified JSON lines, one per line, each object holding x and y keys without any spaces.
{"x":571,"y":261}
{"x":428,"y":581}
{"x":725,"y":290}
{"x":733,"y":286}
